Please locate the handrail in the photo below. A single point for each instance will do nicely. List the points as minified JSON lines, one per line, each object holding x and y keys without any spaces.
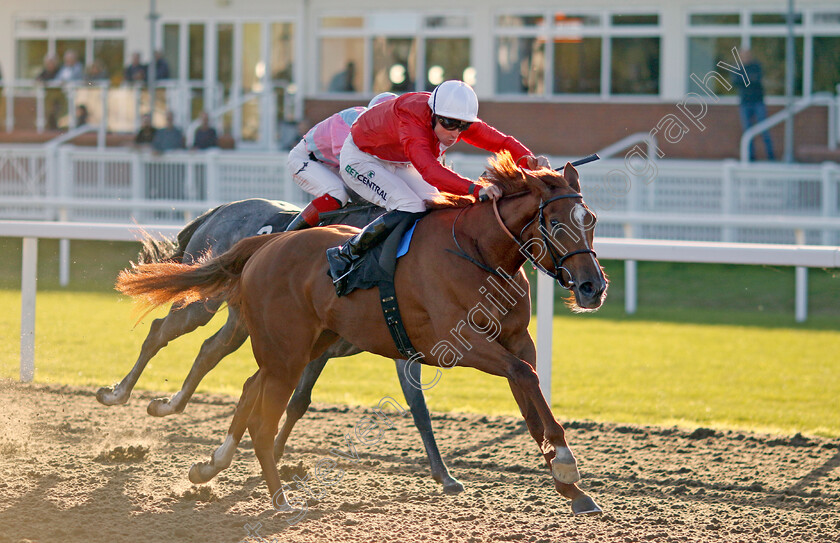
{"x":632,"y":139}
{"x":215,"y":114}
{"x":820,"y":98}
{"x":71,"y":134}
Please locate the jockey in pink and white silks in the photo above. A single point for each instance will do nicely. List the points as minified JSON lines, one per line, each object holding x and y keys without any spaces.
{"x":314,"y":163}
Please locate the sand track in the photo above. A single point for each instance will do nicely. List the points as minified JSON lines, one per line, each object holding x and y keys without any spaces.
{"x":72,"y":470}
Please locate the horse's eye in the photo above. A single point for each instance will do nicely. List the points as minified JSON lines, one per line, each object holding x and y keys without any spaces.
{"x":554,"y":223}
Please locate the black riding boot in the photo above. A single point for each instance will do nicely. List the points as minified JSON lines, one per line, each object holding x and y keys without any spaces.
{"x":343,"y":258}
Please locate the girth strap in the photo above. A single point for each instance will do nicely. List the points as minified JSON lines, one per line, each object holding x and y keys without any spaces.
{"x":391,"y":310}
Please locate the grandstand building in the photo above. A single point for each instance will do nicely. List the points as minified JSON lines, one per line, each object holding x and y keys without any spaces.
{"x":567,"y":78}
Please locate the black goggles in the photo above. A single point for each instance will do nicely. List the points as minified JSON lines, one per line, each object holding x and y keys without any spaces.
{"x":452,"y":124}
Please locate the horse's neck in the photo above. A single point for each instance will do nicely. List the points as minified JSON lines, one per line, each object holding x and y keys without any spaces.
{"x":495,"y":246}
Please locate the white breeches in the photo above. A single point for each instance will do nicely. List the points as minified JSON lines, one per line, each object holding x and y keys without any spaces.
{"x":392,"y":185}
{"x":316,"y":178}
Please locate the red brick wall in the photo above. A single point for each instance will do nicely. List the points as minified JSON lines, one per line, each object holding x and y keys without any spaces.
{"x":572,"y":129}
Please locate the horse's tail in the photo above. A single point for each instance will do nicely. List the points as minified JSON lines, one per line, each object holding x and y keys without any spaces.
{"x":159,"y":283}
{"x":168,"y":249}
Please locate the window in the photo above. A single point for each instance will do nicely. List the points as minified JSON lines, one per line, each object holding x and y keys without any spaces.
{"x":111,"y":53}
{"x":447,"y":58}
{"x":171,"y":48}
{"x":196,"y":52}
{"x":635,"y":66}
{"x":282,"y":51}
{"x":394,"y":64}
{"x":635,"y":19}
{"x":704,"y":52}
{"x":520,"y":65}
{"x":774,"y":18}
{"x":30,"y":58}
{"x":714,"y":19}
{"x":341,"y":59}
{"x":826,"y":73}
{"x":393,"y":52}
{"x":770,"y":53}
{"x":577,"y":66}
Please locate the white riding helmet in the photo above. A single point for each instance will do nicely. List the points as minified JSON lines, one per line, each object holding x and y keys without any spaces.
{"x":381,"y":97}
{"x":456,"y":100}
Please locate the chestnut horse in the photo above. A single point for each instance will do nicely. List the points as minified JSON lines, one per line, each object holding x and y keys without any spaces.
{"x":462,"y":293}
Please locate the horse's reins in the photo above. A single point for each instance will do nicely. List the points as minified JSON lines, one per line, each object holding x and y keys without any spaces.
{"x":558,"y":265}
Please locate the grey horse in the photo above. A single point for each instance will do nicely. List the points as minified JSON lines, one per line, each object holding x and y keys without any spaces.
{"x":217,"y":230}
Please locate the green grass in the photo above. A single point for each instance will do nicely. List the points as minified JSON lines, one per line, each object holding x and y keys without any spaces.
{"x":691,"y":356}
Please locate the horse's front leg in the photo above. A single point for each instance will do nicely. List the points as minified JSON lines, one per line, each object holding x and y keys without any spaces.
{"x":582,"y":504}
{"x":493,"y":358}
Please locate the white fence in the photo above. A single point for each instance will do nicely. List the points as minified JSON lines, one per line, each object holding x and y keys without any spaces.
{"x":669,"y":199}
{"x":608,"y":248}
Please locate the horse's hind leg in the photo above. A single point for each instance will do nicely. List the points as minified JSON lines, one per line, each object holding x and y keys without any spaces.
{"x":176,"y":323}
{"x":417,"y":403}
{"x":221,"y":458}
{"x":229,"y":338}
{"x":299,"y":403}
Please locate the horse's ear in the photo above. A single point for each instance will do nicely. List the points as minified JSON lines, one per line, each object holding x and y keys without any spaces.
{"x":571,"y":176}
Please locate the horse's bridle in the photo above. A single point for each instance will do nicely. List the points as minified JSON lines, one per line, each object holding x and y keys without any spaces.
{"x":556,"y":259}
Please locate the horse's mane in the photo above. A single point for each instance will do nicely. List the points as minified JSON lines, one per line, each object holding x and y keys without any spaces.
{"x":503,"y":172}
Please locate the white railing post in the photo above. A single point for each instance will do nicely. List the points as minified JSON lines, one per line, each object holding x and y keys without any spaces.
{"x":63,"y":253}
{"x":40,"y":98}
{"x":102,"y":134}
{"x":137,"y":93}
{"x":630,"y":278}
{"x":211,"y":157}
{"x":9,"y":90}
{"x":801,"y":283}
{"x":137,"y":183}
{"x":70,"y":91}
{"x":65,"y":191}
{"x":545,"y":331}
{"x":828,"y":202}
{"x":727,"y":193}
{"x":28,"y":283}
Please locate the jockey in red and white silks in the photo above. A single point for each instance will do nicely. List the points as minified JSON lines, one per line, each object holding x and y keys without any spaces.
{"x":314,"y":163}
{"x":392,"y":155}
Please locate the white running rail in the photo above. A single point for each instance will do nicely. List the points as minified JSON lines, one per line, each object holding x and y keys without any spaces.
{"x":801,"y":256}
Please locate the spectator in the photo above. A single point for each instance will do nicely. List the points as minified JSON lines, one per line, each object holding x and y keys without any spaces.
{"x":227,"y":141}
{"x":81,"y":115}
{"x":161,"y":66}
{"x":49,"y":70}
{"x":96,"y":72}
{"x":752,"y":108}
{"x":168,"y":138}
{"x":135,"y":71}
{"x":205,"y":135}
{"x":147,"y":132}
{"x":343,"y":80}
{"x":72,"y":69}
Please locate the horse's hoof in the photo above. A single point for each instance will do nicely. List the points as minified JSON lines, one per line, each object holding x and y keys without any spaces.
{"x":107,"y":396}
{"x":160,"y":407}
{"x":452,"y":486}
{"x":200,"y":474}
{"x":279,"y":503}
{"x":584,"y":505}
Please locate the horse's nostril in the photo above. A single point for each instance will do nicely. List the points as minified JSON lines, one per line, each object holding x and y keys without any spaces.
{"x":586,"y":289}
